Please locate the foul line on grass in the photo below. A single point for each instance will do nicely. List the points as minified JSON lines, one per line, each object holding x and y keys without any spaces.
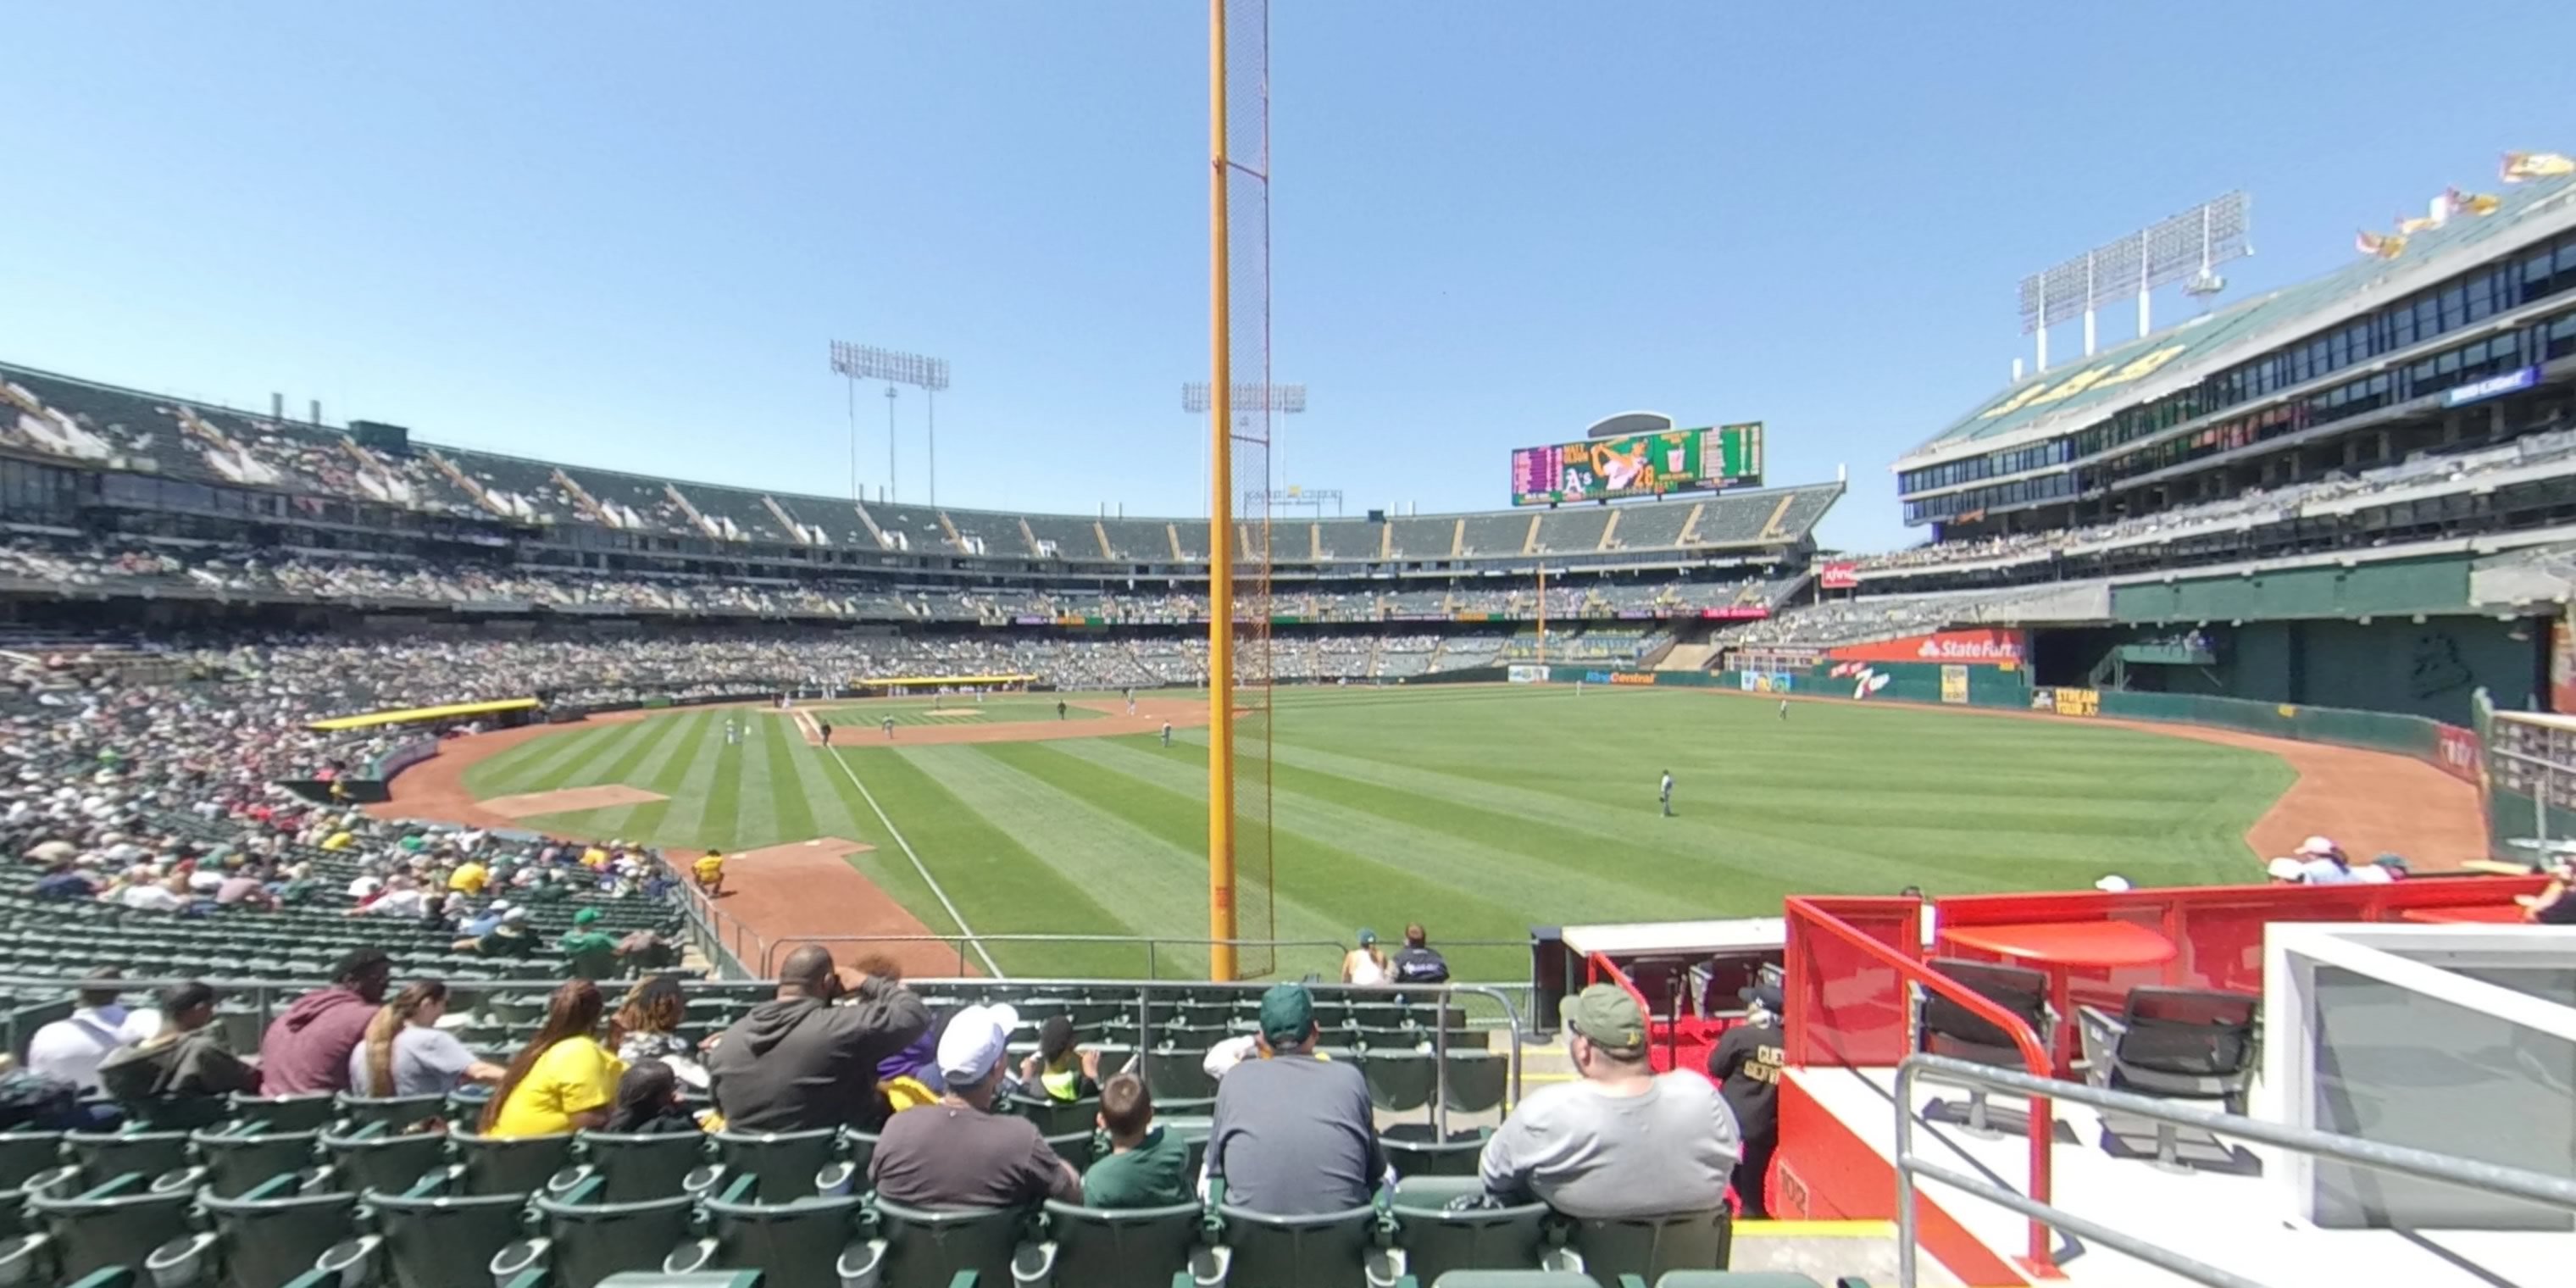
{"x":933,"y":882}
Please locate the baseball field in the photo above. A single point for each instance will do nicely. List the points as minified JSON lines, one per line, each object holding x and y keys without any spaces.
{"x":1475,"y":810}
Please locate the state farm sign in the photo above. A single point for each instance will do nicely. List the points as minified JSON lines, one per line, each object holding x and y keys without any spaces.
{"x":1988,"y":647}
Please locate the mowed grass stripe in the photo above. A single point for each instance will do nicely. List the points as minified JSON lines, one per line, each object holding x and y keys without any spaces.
{"x":790,"y":817}
{"x":634,"y":822}
{"x":564,"y":772}
{"x":724,"y":799}
{"x":669,"y":751}
{"x":998,"y":884}
{"x":819,"y":788}
{"x":1178,"y":819}
{"x":1451,"y":852}
{"x":691,"y":791}
{"x":509,"y":773}
{"x":665,"y":730}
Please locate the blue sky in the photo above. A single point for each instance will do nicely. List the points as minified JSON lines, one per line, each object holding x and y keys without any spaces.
{"x":623,"y":234}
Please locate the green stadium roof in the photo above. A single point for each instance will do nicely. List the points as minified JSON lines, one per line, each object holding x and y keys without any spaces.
{"x":2080,"y":393}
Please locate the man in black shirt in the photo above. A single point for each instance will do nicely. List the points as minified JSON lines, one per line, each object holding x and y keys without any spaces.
{"x":1746,"y":1065}
{"x":1418,"y":962}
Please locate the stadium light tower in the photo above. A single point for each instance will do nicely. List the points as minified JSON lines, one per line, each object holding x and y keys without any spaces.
{"x":1250,"y":398}
{"x":857,"y":362}
{"x":2187,"y":247}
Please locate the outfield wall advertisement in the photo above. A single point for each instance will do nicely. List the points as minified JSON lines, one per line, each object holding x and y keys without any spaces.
{"x":1980,"y":647}
{"x":1603,"y":469}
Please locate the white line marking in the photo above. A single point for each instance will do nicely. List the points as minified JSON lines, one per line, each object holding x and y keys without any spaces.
{"x":933,"y":882}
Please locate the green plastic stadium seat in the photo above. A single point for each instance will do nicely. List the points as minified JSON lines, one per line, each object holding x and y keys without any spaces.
{"x":634,"y":1168}
{"x":1057,"y":1117}
{"x":116,"y":1224}
{"x":806,"y":1243}
{"x":373,"y":1159}
{"x":1437,"y":1240}
{"x":25,"y":1153}
{"x":1477,"y":1081}
{"x":1747,"y":1279}
{"x":780,"y":1165}
{"x":701,"y":1279}
{"x":1513,"y":1279}
{"x":240,"y":1158}
{"x":1648,"y":1247}
{"x":509,"y":1165}
{"x":1178,"y":1074}
{"x":1413,"y":1151}
{"x":102,"y":1156}
{"x":1127,"y":1248}
{"x":1258,"y":1250}
{"x":426,"y":1240}
{"x":1399,"y":1081}
{"x":585,"y":1242}
{"x":288,"y":1113}
{"x":916,"y":1248}
{"x":258,"y":1241}
{"x":395,"y":1112}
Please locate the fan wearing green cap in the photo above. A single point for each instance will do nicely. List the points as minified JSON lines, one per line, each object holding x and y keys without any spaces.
{"x":585,"y":937}
{"x":1623,"y":1141}
{"x":1294,"y":1135}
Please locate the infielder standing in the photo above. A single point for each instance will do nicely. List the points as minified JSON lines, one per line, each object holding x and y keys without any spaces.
{"x":1666,"y":794}
{"x":1784,"y":708}
{"x":889,"y":728}
{"x":1167,"y":733}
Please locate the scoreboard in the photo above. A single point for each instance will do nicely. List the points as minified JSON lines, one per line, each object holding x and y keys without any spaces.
{"x":1601,"y":469}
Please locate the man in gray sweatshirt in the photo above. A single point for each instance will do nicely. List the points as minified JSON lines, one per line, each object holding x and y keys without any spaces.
{"x":808,"y":1058}
{"x":1622,"y":1142}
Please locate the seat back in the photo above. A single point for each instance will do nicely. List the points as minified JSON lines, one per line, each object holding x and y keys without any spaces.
{"x":1417,"y":1155}
{"x":25,"y":1153}
{"x":595,"y":1240}
{"x":1951,"y":1029}
{"x":511,"y":1164}
{"x":1126,"y":1248}
{"x":448,"y":1240}
{"x":924,"y":1249}
{"x":395,"y":1112}
{"x":1058,"y":1117}
{"x":241,"y":1160}
{"x":792,"y":1245}
{"x":1399,"y":1081}
{"x":1477,"y":1081}
{"x":385,"y":1163}
{"x":1437,"y":1240}
{"x":1296,"y":1251}
{"x":2186,"y":1042}
{"x":92,"y":1234}
{"x":783,"y":1163}
{"x":103,"y":1155}
{"x":1649,"y":1246}
{"x":289,"y":1113}
{"x":266,"y":1242}
{"x":635,"y":1168}
{"x":1177,"y":1073}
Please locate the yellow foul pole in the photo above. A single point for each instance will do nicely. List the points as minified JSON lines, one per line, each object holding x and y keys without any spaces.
{"x":1542,"y":614}
{"x":1220,"y":820}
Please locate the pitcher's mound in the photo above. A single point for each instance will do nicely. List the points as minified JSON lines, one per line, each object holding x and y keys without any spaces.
{"x":821,"y":847}
{"x":566,"y":800}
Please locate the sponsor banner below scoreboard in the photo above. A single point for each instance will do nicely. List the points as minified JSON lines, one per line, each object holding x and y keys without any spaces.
{"x":1984,"y":646}
{"x":1841,"y":576}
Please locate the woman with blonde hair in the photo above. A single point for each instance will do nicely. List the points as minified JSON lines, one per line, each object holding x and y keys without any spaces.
{"x":1366,"y":964}
{"x":563,"y":1080}
{"x":405,"y":1053}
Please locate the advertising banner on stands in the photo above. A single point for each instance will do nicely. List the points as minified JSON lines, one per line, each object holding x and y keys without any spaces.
{"x":1984,"y":646}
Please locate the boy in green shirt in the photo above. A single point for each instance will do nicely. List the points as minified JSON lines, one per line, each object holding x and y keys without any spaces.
{"x":582,"y":939}
{"x":1148,"y":1166}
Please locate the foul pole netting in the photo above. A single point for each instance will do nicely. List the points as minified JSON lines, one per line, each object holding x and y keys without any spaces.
{"x":1241,"y":417}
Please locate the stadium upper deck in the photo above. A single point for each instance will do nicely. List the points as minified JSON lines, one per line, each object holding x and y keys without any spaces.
{"x":69,"y":447}
{"x":2365,"y":366}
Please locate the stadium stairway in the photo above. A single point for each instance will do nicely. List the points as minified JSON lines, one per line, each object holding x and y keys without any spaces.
{"x":1687,"y":657}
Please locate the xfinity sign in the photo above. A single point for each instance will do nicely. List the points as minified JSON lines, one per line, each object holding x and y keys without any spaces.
{"x":2508,"y":383}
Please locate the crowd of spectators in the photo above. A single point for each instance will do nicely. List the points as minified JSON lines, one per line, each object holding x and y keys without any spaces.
{"x":2550,"y":450}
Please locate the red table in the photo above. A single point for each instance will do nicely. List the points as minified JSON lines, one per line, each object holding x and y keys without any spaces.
{"x":2059,"y":946}
{"x":2485,"y":913}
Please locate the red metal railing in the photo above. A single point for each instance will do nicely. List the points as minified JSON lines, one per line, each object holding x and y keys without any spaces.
{"x":1808,"y":1005}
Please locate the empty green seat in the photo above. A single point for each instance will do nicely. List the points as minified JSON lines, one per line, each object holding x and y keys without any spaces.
{"x":260,"y":1240}
{"x":373,"y":1158}
{"x":586,"y":1241}
{"x":1413,"y":1151}
{"x":1398,"y":1081}
{"x":780,"y":1165}
{"x":23,"y":1154}
{"x":239,"y":1158}
{"x":916,"y":1248}
{"x":1126,"y":1248}
{"x":395,"y":1112}
{"x":633,"y":1168}
{"x":806,"y":1243}
{"x":1259,"y":1250}
{"x":509,"y":1165}
{"x":103,"y":1156}
{"x":288,"y":1113}
{"x":1177,"y":1074}
{"x":426,"y":1239}
{"x":1476,"y":1081}
{"x":114,"y":1225}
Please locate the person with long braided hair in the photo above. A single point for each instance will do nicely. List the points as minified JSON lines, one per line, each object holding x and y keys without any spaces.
{"x":563,"y":1079}
{"x":405,"y":1053}
{"x":646,"y":1026}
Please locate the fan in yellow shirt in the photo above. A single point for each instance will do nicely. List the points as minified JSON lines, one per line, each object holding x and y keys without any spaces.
{"x":563,"y":1080}
{"x":469,"y":877}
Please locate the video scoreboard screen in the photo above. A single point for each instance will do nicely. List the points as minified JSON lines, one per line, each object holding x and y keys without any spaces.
{"x":1601,"y":469}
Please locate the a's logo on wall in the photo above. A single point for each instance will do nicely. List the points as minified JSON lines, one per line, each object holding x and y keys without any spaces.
{"x":2435,"y":666}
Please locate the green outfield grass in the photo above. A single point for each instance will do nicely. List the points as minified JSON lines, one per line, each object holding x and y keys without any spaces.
{"x":1479,"y":811}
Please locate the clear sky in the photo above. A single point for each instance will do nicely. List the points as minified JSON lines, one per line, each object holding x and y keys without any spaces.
{"x":622,"y":234}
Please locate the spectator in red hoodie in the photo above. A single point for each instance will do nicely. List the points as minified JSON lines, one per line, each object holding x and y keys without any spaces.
{"x":307,"y":1049}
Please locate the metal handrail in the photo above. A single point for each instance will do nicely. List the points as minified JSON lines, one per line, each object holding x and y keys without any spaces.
{"x":2422,"y":1164}
{"x":2043,"y":1115}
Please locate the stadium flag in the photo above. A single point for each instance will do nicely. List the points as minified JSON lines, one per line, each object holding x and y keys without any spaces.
{"x":2475,"y":203}
{"x":2520,"y":166}
{"x":2384,"y":245}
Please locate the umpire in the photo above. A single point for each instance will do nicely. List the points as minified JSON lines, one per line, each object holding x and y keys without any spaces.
{"x":1746,"y":1065}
